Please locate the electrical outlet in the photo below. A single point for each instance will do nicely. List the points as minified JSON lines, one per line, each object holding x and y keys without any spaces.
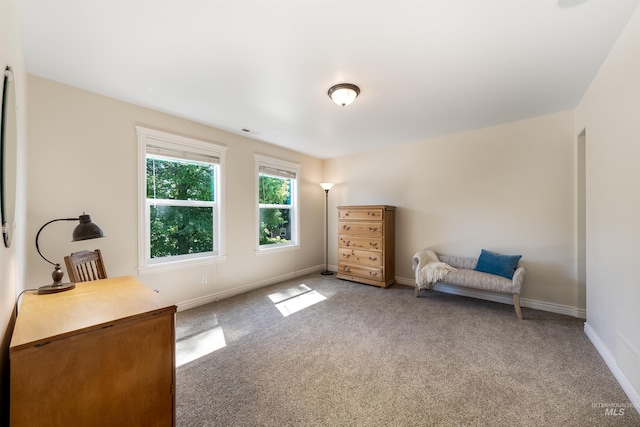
{"x":204,"y":280}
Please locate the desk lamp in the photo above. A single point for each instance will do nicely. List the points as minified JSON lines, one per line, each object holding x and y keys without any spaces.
{"x":84,"y":231}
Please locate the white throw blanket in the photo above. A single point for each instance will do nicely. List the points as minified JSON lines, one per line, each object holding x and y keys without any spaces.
{"x":429,"y":269}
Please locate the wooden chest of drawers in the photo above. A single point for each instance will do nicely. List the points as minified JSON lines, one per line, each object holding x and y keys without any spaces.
{"x":366,"y":244}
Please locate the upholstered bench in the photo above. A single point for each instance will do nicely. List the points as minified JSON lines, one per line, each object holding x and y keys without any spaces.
{"x":431,"y":268}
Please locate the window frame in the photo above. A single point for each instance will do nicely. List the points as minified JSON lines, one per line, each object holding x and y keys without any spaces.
{"x":294,"y":214}
{"x":163,"y":140}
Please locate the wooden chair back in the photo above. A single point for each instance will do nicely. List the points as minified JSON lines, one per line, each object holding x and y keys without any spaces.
{"x":85,"y":266}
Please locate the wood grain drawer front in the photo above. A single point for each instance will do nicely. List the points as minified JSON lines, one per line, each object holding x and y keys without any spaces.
{"x":360,"y":214}
{"x":368,"y":258}
{"x":121,"y":375}
{"x":348,"y":241}
{"x":370,"y":273}
{"x":372,"y":229}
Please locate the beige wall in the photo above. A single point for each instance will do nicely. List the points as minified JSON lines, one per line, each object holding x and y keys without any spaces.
{"x":508,"y":188}
{"x":83,"y":157}
{"x":12,"y":259}
{"x":610,"y":115}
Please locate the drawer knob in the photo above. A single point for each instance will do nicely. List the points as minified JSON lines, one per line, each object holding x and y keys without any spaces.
{"x":373,"y":228}
{"x":346,"y":227}
{"x":373,"y":243}
{"x":373,"y":258}
{"x":346,"y":255}
{"x":373,"y":273}
{"x":347,"y":269}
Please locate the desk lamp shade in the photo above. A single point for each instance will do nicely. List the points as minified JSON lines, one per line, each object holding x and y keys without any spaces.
{"x":85,"y":230}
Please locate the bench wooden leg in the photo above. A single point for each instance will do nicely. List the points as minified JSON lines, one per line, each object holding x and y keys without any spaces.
{"x":516,"y":305}
{"x":415,"y":292}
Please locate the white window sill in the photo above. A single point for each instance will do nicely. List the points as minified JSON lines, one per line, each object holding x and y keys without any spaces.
{"x":276,"y":250}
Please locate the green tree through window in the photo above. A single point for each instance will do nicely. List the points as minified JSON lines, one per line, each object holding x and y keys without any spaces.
{"x":181,"y":195}
{"x":274,"y":220}
{"x":277,"y":200}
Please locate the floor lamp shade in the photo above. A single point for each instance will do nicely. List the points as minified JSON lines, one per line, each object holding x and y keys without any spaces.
{"x":326,"y":186}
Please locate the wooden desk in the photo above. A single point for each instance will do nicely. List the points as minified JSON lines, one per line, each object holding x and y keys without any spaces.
{"x":102,"y":354}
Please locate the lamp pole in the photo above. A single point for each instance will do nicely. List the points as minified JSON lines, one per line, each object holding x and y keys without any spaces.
{"x":57,"y":272}
{"x":326,"y":186}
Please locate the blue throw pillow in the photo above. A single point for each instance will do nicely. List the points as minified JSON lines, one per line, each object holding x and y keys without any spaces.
{"x":502,"y":265}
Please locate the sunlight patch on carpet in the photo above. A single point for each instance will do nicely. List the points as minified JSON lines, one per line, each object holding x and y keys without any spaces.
{"x":197,"y":346}
{"x":289,"y":293}
{"x":295,"y":299}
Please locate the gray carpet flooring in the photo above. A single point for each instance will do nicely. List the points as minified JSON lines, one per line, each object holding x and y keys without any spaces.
{"x":358,"y":355}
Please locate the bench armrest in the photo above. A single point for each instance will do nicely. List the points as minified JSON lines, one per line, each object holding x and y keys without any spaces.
{"x":518,"y":278}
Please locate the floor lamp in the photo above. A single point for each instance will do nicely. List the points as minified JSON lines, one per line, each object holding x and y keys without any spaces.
{"x":326,"y":187}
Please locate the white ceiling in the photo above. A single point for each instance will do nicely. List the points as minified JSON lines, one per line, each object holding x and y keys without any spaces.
{"x":425,"y":68}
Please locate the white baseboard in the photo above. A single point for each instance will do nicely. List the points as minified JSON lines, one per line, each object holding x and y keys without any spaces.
{"x":502,"y":298}
{"x":217,"y":296}
{"x":633,"y":394}
{"x":442,"y":287}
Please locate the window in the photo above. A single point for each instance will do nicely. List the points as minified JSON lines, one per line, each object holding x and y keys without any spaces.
{"x":181,"y":198}
{"x":277,"y":197}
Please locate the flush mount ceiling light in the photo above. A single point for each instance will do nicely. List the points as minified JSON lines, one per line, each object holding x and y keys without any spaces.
{"x":343,"y":93}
